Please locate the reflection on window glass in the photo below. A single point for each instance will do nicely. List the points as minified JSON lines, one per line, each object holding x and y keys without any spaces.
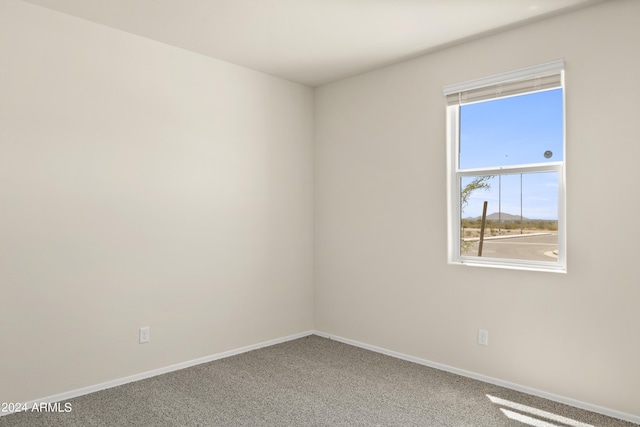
{"x":521,"y":220}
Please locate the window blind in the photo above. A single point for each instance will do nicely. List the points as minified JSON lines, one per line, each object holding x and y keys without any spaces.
{"x":532,"y":79}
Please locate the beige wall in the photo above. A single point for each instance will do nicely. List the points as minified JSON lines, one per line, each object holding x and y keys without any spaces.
{"x":382,"y":276}
{"x":142,"y":185}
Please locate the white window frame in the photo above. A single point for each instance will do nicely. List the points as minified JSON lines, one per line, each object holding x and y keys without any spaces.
{"x":454,"y":175}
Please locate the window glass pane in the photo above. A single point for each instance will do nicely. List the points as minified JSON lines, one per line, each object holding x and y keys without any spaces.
{"x":518,"y":130}
{"x":522,"y":216}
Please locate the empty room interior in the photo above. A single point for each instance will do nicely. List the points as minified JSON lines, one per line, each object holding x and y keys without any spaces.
{"x":186,"y":181}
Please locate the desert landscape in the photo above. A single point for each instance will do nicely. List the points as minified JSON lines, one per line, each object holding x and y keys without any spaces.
{"x":511,"y":236}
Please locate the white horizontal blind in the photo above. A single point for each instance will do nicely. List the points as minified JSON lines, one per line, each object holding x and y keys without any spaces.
{"x":532,"y":79}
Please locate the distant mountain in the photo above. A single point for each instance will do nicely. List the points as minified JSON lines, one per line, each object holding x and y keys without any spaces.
{"x":501,"y":216}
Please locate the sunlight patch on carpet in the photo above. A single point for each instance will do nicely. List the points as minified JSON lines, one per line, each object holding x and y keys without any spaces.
{"x":527,"y":419}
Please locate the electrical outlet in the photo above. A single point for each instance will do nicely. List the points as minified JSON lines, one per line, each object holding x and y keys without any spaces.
{"x":145,"y":335}
{"x":483,"y":337}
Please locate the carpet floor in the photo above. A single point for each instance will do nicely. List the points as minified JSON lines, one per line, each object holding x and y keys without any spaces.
{"x":311,"y":381}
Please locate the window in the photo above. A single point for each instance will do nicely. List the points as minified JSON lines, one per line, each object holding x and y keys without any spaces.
{"x":506,"y":159}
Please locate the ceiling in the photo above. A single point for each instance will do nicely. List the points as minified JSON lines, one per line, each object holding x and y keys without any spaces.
{"x":312,"y":41}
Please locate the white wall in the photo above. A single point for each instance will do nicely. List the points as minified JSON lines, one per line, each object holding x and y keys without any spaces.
{"x":142,"y":185}
{"x":382,"y":276}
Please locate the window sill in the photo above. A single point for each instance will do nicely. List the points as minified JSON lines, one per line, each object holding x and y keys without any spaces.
{"x":511,"y":266}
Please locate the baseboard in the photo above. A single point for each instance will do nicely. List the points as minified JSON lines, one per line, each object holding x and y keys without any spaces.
{"x":114,"y":383}
{"x":517,"y":387}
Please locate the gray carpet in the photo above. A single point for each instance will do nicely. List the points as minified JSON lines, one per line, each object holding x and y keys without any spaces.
{"x":310,"y":381}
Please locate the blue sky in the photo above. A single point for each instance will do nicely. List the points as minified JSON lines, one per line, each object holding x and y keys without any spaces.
{"x":514,"y":131}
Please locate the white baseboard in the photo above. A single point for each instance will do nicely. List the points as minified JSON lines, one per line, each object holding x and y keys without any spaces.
{"x":114,"y":383}
{"x":550,"y":396}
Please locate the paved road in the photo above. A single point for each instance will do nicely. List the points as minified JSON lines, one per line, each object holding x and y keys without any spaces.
{"x":534,"y":248}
